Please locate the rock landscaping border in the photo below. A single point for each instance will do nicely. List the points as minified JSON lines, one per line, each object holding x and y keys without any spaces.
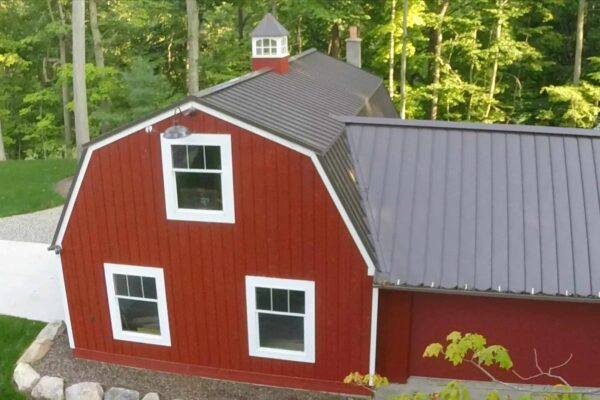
{"x":51,"y":387}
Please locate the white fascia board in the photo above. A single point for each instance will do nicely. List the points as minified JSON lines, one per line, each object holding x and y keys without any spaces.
{"x":234,"y":121}
{"x":345,"y":216}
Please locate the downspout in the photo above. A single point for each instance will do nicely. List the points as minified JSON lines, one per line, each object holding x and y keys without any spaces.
{"x":373,"y":345}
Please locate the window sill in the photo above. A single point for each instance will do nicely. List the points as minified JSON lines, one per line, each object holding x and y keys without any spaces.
{"x":145,"y":338}
{"x":184,"y":214}
{"x":281,"y":354}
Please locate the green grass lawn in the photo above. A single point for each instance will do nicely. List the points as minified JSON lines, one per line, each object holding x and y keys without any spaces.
{"x":27,"y":186}
{"x":15,"y":335}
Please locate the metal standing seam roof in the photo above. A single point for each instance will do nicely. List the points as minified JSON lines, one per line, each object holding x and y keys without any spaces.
{"x":298,"y":105}
{"x":269,"y":26}
{"x":509,"y":209}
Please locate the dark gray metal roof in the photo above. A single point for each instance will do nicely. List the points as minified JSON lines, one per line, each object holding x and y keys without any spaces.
{"x":298,"y":105}
{"x":509,"y":209}
{"x":269,"y":26}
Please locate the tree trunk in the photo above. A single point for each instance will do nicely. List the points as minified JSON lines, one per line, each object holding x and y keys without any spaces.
{"x":579,"y":43}
{"x":391,"y":86}
{"x":334,"y":43}
{"x":274,"y":8}
{"x":241,"y":21}
{"x":82,"y":130}
{"x":193,"y":45}
{"x":2,"y":153}
{"x":436,"y":39}
{"x":62,"y":49}
{"x":403,"y":66}
{"x":299,"y":34}
{"x":96,"y":36}
{"x":62,"y":46}
{"x":494,"y":71}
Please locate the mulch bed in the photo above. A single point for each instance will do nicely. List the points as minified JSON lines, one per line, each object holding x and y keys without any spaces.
{"x":60,"y":362}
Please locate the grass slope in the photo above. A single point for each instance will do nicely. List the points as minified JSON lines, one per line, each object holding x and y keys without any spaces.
{"x":27,"y":186}
{"x":15,"y":335}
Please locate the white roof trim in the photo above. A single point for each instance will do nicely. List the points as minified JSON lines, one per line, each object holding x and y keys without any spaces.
{"x":192,"y":104}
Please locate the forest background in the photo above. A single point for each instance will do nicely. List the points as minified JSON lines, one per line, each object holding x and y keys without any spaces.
{"x":499,"y":61}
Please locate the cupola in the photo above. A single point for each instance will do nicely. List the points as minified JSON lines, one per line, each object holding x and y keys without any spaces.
{"x":270,"y":45}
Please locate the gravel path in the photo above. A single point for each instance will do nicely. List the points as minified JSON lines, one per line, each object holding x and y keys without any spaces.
{"x":35,"y":227}
{"x":59,"y":362}
{"x":38,"y":226}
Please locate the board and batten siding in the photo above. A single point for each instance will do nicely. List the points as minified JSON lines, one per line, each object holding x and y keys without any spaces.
{"x":410,"y":321}
{"x":286,"y":226}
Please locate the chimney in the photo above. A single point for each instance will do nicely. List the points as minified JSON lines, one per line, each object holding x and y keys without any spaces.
{"x":270,"y":45}
{"x":353,"y":51}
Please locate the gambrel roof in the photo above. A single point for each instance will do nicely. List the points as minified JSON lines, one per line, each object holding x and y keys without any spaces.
{"x":447,"y":206}
{"x":295,"y":109}
{"x":492,"y":208}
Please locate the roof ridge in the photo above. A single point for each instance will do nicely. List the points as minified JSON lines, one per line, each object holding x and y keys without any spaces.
{"x":304,"y":53}
{"x":463,"y":125}
{"x":231,"y":82}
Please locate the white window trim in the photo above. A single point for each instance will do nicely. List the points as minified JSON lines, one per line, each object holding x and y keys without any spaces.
{"x":281,"y":48}
{"x":164,"y":339}
{"x":308,"y":287}
{"x":227,"y":215}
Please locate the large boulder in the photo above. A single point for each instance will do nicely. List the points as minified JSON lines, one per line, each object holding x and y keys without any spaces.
{"x":116,"y":393}
{"x":50,"y":331}
{"x":49,"y":388}
{"x":36,"y":351}
{"x":25,"y":377}
{"x":151,"y":396}
{"x":84,"y":391}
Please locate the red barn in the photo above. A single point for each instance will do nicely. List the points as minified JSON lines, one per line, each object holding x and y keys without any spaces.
{"x":285,"y":228}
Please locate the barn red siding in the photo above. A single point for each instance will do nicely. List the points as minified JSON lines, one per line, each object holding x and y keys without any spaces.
{"x":393,"y":334}
{"x":287,"y":226}
{"x":555,"y":329}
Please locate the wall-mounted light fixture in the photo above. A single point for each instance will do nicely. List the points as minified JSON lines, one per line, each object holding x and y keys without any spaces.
{"x":176,"y":131}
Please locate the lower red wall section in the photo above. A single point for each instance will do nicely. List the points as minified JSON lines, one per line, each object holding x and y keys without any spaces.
{"x":393,"y":334}
{"x":556,"y":329}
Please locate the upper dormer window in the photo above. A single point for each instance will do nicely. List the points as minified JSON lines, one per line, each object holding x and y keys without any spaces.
{"x":198,"y":178}
{"x":270,"y":47}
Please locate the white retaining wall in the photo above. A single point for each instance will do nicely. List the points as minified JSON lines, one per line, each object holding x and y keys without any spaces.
{"x":30,"y":285}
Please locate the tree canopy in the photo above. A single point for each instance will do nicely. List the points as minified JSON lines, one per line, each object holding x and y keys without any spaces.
{"x":501,"y":61}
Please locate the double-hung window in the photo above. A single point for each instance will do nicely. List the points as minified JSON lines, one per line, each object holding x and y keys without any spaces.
{"x":281,"y":318}
{"x":137,"y":304}
{"x":198,"y":179}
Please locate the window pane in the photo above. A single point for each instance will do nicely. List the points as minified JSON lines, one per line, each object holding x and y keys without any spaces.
{"x":297,"y":301}
{"x":135,"y":285}
{"x":281,"y":331}
{"x":263,"y":298}
{"x":120,"y":284}
{"x":280,"y":300}
{"x":139,"y":316}
{"x":201,"y":191}
{"x":178,"y":153}
{"x":196,"y":156}
{"x":149,"y":288}
{"x":213,"y":157}
{"x":259,"y":51}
